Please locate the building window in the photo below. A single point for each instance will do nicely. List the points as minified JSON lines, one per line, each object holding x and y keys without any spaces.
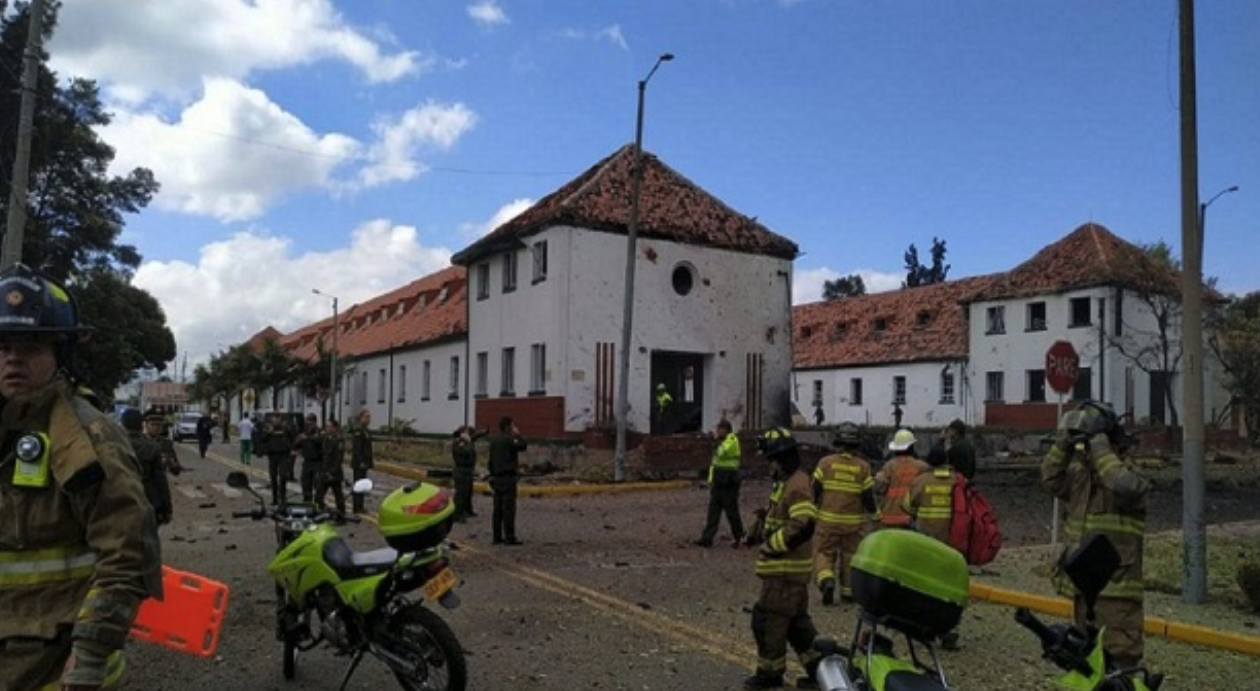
{"x":855,"y":391}
{"x":380,"y":393}
{"x":806,"y":332}
{"x":923,"y":319}
{"x":881,"y":324}
{"x":1080,"y":312}
{"x":538,"y":369}
{"x":1036,"y":316}
{"x":507,"y":387}
{"x":1036,"y":386}
{"x":402,"y":383}
{"x":1083,"y":387}
{"x":347,"y":387}
{"x":452,"y":391}
{"x":426,"y":380}
{"x":995,"y":320}
{"x":818,"y":393}
{"x":899,"y":390}
{"x":539,"y":253}
{"x":509,"y":272}
{"x":993,"y":382}
{"x":483,"y":374}
{"x":363,"y":391}
{"x":947,"y":387}
{"x":483,"y":281}
{"x":684,"y":278}
{"x":839,"y":331}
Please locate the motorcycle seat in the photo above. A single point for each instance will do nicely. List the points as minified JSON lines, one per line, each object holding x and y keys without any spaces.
{"x":910,"y":681}
{"x":350,"y":564}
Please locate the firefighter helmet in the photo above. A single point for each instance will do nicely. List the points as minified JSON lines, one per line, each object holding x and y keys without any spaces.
{"x":902,"y":440}
{"x":776,"y":442}
{"x":1090,"y":418}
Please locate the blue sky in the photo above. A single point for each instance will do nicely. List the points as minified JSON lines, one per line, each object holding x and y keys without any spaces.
{"x":353,"y":146}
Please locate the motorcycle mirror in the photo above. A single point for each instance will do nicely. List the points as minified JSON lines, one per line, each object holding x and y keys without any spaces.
{"x":237,"y":480}
{"x":362,"y":486}
{"x":1091,"y":567}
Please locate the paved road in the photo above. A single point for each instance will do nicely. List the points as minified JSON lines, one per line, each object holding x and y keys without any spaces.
{"x":606,"y":593}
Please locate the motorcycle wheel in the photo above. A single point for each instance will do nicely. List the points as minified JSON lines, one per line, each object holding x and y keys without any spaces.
{"x":426,"y":640}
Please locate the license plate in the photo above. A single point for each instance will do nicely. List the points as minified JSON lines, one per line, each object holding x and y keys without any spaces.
{"x":440,"y":584}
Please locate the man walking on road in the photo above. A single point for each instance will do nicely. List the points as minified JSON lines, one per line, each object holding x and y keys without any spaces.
{"x":504,"y":467}
{"x":245,"y":428}
{"x":781,"y":614}
{"x":844,"y":491}
{"x":361,"y":453}
{"x":205,"y":434}
{"x":724,"y":481}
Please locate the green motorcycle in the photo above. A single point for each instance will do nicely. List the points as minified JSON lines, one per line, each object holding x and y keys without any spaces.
{"x":359,"y":602}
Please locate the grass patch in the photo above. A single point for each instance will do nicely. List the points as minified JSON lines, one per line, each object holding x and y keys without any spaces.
{"x":1163,"y":565}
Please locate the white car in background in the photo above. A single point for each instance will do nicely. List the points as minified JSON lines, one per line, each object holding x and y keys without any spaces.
{"x":185,"y":426}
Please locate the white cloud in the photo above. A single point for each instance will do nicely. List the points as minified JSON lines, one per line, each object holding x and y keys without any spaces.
{"x":241,"y":285}
{"x":139,"y":48}
{"x":807,"y":284}
{"x":393,"y":156}
{"x":612,"y":34}
{"x":230,"y":155}
{"x":507,"y":212}
{"x":487,"y":13}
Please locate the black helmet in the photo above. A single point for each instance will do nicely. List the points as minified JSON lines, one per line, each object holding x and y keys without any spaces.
{"x":847,"y":435}
{"x":775,"y":443}
{"x":1090,"y":418}
{"x":30,"y":303}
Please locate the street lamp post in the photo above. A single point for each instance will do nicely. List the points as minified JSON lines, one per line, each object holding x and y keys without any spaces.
{"x":632,"y":235}
{"x":332,"y":367}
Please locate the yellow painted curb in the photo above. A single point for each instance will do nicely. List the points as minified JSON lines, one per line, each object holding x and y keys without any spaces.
{"x":1155,"y":626}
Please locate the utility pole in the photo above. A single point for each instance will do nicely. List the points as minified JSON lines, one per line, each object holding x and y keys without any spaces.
{"x":1194,"y":529}
{"x":11,"y":253}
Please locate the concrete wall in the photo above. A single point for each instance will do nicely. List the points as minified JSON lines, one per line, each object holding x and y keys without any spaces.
{"x":403,"y":396}
{"x":739,"y":305}
{"x":923,"y":405}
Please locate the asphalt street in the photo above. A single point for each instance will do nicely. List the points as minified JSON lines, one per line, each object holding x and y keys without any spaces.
{"x":606,"y":593}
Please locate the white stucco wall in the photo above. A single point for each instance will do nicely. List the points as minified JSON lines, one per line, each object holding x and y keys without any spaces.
{"x":438,"y":413}
{"x":923,"y":407}
{"x":739,"y":304}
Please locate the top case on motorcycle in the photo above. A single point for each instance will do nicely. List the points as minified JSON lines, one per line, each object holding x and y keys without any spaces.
{"x":911,"y":681}
{"x":350,"y":564}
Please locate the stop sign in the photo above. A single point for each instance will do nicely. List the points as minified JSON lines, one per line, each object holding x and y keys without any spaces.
{"x":1062,"y":365}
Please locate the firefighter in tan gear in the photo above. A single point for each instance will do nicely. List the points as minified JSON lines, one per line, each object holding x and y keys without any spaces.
{"x":894,"y":479}
{"x":1103,"y":493}
{"x":781,"y":614}
{"x":844,"y":490}
{"x":930,"y":504}
{"x":78,"y":540}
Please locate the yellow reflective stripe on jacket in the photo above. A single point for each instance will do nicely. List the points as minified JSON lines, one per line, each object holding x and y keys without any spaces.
{"x":1105,"y":523}
{"x":769,"y":566}
{"x":840,"y":518}
{"x":803,"y":510}
{"x":930,"y":513}
{"x":847,"y":487}
{"x":30,"y":567}
{"x":727,"y":454}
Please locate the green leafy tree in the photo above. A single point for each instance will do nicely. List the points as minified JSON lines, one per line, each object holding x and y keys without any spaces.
{"x":919,"y":275}
{"x":76,"y":209}
{"x":1237,"y":345}
{"x":845,"y":286}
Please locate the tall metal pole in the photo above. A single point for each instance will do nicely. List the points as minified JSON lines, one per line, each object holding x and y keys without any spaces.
{"x":1194,"y":577}
{"x":333,"y":379}
{"x":632,"y":235}
{"x":11,"y":253}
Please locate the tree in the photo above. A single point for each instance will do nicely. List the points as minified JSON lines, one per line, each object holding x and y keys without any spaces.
{"x":845,"y":286}
{"x":1237,"y":346}
{"x":76,"y":209}
{"x":919,"y":275}
{"x":129,"y":330}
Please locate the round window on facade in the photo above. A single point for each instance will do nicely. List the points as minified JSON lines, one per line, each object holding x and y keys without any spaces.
{"x":684,"y":278}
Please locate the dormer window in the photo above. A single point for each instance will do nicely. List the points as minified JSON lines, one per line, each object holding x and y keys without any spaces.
{"x":880,"y":324}
{"x":839,"y":331}
{"x":923,"y":319}
{"x":806,"y":332}
{"x":443,"y":294}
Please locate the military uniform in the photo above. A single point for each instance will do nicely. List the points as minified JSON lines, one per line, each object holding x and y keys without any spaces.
{"x":332,"y":474}
{"x":153,"y":475}
{"x":1105,"y":494}
{"x":844,"y":491}
{"x":504,"y":467}
{"x":277,"y":444}
{"x":310,"y":445}
{"x":464,"y":460}
{"x":360,"y":460}
{"x":781,"y":615}
{"x":78,"y":543}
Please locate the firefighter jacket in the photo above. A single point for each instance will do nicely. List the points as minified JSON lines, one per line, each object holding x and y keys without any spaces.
{"x":79,"y":548}
{"x":1102,"y":493}
{"x":891,"y":484}
{"x":930,"y":502}
{"x":790,"y":518}
{"x":844,"y":491}
{"x":724,"y":467}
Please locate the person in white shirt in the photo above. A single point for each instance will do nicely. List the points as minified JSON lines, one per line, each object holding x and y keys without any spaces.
{"x":246,"y":430}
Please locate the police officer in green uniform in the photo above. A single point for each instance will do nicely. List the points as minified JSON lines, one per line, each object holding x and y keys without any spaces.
{"x":152,"y":467}
{"x":74,"y":571}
